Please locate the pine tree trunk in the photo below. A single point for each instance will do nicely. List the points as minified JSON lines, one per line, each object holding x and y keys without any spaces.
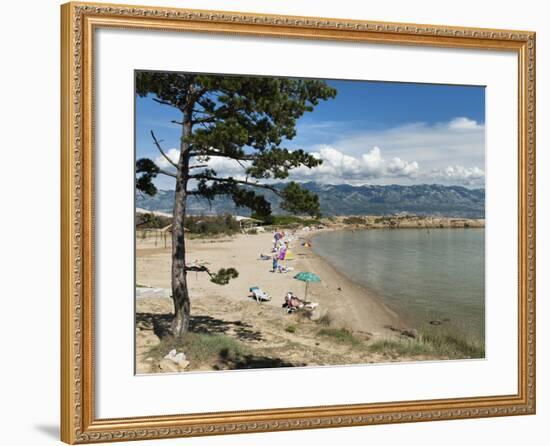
{"x":180,"y":294}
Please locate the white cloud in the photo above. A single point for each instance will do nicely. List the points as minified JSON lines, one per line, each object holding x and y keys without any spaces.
{"x":401,"y":168}
{"x":462,"y":123}
{"x":222,"y":166}
{"x":163,"y":163}
{"x":338,"y":167}
{"x":447,"y":153}
{"x":226,"y":166}
{"x":219,"y":164}
{"x":460,"y":141}
{"x":472,"y":176}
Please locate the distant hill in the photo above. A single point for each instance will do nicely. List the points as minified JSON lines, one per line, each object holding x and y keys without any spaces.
{"x":343,"y":199}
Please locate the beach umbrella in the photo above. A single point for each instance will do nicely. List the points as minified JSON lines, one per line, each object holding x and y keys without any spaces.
{"x":307,"y":277}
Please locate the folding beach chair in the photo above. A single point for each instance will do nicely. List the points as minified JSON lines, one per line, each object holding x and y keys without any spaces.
{"x":259,"y":294}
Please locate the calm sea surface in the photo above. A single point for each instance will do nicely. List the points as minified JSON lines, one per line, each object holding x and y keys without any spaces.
{"x":425,"y":275}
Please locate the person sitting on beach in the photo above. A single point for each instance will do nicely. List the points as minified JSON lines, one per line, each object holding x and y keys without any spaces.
{"x":292,"y":303}
{"x":285,"y":269}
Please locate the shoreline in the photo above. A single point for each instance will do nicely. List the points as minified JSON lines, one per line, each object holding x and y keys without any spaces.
{"x":361,"y":310}
{"x":402,"y":222}
{"x":350,"y":304}
{"x":405,"y":322}
{"x":351,"y":325}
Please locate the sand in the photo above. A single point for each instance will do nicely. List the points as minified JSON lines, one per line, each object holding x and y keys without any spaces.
{"x":352,"y":306}
{"x":230,"y":310}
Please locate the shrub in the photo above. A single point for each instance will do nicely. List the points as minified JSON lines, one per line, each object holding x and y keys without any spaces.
{"x":354,"y":220}
{"x":412,"y":347}
{"x":212,"y":225}
{"x":436,"y":342}
{"x":288,"y":220}
{"x":341,"y":335}
{"x":152,"y":221}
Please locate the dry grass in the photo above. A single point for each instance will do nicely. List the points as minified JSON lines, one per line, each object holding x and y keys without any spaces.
{"x":200,"y":348}
{"x":326,"y":319}
{"x":433,"y":342}
{"x":340,"y":335}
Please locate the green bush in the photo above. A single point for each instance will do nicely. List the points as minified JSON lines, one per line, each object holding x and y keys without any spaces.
{"x":287,"y":220}
{"x":342,"y":335}
{"x":354,"y":221}
{"x":152,"y":221}
{"x":212,"y":225}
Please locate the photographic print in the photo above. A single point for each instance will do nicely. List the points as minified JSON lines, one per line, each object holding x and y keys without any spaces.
{"x":288,"y":222}
{"x":292,"y":221}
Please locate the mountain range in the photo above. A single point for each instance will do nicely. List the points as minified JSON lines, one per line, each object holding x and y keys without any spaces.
{"x":344,"y":199}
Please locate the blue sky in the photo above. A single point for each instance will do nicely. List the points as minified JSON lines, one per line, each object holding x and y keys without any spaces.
{"x":371,"y":133}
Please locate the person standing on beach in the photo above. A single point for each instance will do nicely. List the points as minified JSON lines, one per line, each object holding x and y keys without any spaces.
{"x":276,"y":238}
{"x":282,"y":252}
{"x":275,"y":262}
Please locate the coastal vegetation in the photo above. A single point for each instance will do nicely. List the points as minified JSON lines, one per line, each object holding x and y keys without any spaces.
{"x":152,"y":221}
{"x":211,"y":225}
{"x":226,"y":224}
{"x":438,"y":342}
{"x":341,"y":335}
{"x":354,"y":220}
{"x":273,"y":340}
{"x":200,"y":348}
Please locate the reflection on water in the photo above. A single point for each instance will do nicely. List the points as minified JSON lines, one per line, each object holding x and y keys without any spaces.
{"x":425,"y":275}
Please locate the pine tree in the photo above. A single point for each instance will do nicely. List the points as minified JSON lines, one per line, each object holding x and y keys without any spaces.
{"x":241,"y":118}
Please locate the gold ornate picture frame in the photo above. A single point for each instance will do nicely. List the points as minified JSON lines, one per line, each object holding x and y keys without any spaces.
{"x":79,"y":23}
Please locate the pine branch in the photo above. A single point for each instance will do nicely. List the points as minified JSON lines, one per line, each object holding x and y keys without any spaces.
{"x":196,"y":95}
{"x":205,"y":120}
{"x":160,"y":101}
{"x":222,"y":277}
{"x":234,"y":181}
{"x":223,"y":155}
{"x":157,"y":143}
{"x":198,"y":269}
{"x":169,"y":174}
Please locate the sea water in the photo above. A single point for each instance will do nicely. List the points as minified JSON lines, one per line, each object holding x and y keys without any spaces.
{"x":429,"y":276}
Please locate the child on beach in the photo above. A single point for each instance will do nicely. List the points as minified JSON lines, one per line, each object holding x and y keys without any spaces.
{"x":275,"y":263}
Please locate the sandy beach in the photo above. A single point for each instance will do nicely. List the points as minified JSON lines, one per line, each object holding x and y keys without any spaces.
{"x":350,"y":305}
{"x":230,"y":310}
